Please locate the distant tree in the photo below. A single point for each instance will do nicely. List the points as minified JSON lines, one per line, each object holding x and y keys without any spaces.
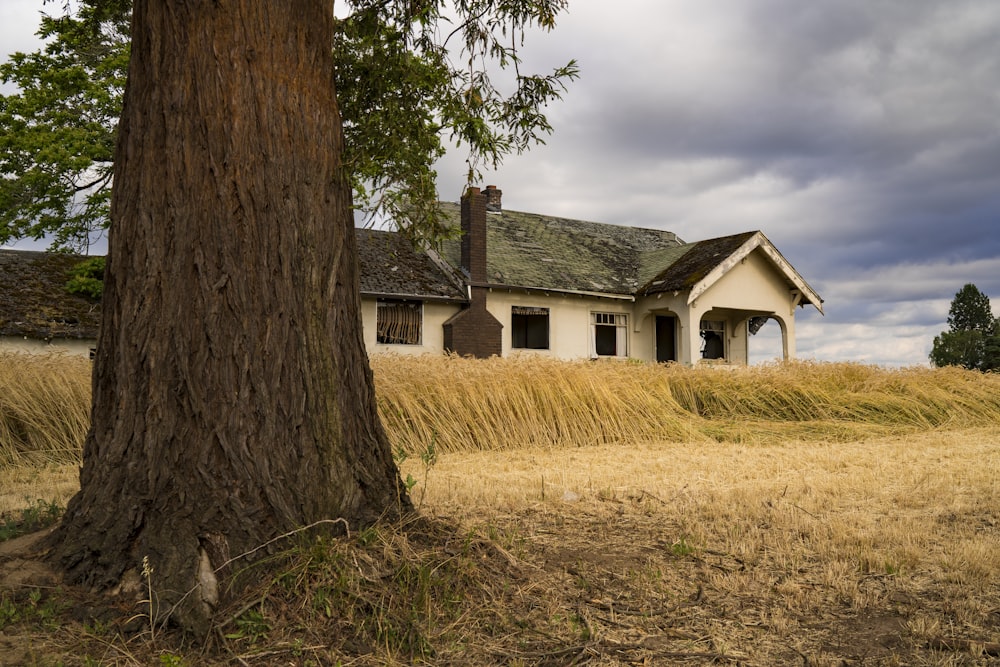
{"x":991,"y":350}
{"x":971,"y":311}
{"x":973,"y":339}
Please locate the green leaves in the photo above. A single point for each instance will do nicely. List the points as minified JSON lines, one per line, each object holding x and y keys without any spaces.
{"x":57,"y":135}
{"x":87,"y":279}
{"x":970,"y":310}
{"x":411,"y":76}
{"x":404,"y":90}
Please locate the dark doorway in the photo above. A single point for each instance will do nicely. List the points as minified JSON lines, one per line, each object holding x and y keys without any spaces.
{"x":666,"y":344}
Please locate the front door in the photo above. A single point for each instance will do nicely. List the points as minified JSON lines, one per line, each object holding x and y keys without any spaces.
{"x":666,"y":344}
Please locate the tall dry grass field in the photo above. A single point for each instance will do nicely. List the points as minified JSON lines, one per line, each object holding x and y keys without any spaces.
{"x":44,"y":415}
{"x":44,"y":408}
{"x":465,"y":405}
{"x":825,"y":513}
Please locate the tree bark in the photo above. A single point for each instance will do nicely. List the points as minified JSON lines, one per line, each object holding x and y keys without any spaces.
{"x":232,"y":395}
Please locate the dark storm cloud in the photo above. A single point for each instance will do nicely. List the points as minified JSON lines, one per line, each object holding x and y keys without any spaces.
{"x":863,"y":137}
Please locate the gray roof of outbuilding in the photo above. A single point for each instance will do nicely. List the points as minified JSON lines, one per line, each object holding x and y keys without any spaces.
{"x":34,"y":302}
{"x":534,"y":251}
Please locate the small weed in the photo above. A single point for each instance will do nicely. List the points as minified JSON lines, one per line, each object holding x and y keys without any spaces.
{"x":428,"y":457}
{"x":34,"y":517}
{"x":32,"y":608}
{"x":252,"y":626}
{"x":681,"y":548}
{"x":150,"y":601}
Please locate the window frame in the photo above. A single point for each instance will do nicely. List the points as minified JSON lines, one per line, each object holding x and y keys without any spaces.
{"x":617,"y":321}
{"x":524,"y":319}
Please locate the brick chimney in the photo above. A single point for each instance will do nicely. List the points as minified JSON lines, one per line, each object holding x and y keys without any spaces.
{"x":474,"y":235}
{"x":473,"y":331}
{"x":493,"y":199}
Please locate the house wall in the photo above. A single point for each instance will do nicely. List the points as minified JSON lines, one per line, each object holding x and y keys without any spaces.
{"x":432,"y":334}
{"x":644,"y":328}
{"x":569,"y":320}
{"x":752,"y":284}
{"x":75,"y":346}
{"x":750,"y":288}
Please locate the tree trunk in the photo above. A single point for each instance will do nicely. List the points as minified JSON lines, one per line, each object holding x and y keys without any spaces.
{"x":232,"y":396}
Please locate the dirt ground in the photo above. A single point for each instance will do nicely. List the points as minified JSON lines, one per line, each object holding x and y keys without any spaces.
{"x":581,"y":582}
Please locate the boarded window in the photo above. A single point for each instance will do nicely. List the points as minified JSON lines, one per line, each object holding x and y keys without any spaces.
{"x":399,"y":322}
{"x":609,"y":334}
{"x":529,"y":328}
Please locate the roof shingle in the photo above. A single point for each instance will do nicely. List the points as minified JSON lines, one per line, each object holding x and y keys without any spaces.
{"x":33,"y":299}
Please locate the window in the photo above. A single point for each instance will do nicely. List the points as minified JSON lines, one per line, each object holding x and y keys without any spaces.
{"x":609,"y":334}
{"x":529,"y":328}
{"x":399,"y":322}
{"x":713,"y":336}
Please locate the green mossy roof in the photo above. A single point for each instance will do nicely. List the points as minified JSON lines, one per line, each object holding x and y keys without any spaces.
{"x":545,"y":252}
{"x":524,"y":250}
{"x":34,"y":302}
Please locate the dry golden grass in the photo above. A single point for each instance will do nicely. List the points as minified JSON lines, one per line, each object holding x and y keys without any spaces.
{"x":468,"y":405}
{"x":828,"y":553}
{"x":24,"y":486}
{"x":44,"y":408}
{"x":464,"y":405}
{"x":612,"y":514}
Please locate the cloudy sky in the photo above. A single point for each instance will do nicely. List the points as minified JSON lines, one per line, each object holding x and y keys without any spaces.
{"x":861,"y":136}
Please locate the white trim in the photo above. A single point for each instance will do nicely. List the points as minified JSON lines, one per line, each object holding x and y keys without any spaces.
{"x":758,"y":240}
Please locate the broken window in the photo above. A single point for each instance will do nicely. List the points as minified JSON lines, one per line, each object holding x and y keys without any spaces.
{"x":399,"y":322}
{"x":529,"y":328}
{"x":609,"y":335}
{"x":713,"y":339}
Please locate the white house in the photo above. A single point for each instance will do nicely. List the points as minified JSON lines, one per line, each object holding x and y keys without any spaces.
{"x":523,"y":283}
{"x":516,"y":283}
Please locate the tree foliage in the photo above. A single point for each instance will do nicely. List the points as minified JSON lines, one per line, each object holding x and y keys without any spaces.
{"x":971,"y":311}
{"x":57,"y":135}
{"x":973,"y":338}
{"x":411,"y":77}
{"x":87,"y":278}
